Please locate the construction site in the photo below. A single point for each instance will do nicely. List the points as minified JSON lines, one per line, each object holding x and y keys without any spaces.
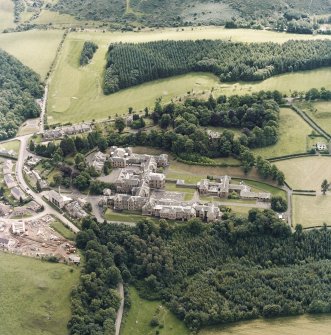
{"x":36,"y":238}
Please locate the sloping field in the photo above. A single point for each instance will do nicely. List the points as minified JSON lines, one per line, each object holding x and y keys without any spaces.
{"x":306,"y":173}
{"x":303,"y":325}
{"x":311,"y":211}
{"x":76,"y":93}
{"x":292,"y":138}
{"x":34,"y":296}
{"x":6,"y":14}
{"x":34,"y":48}
{"x":319,"y":111}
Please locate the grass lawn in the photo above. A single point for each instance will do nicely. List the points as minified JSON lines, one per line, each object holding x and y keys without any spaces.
{"x":6,"y":14}
{"x":141,"y":313}
{"x":63,"y":230}
{"x":34,"y":296}
{"x":240,"y":210}
{"x":311,"y":211}
{"x":293,"y":137}
{"x":187,"y":192}
{"x":303,"y":325}
{"x":111,"y":215}
{"x":12,"y":145}
{"x":306,"y":173}
{"x":34,"y":48}
{"x":76,"y":93}
{"x":263,"y":187}
{"x":320,"y":112}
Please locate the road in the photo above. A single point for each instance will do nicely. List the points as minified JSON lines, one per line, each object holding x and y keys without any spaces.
{"x":120,"y":311}
{"x":22,"y":155}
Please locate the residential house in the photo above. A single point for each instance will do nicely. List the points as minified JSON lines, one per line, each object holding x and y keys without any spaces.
{"x":58,"y":199}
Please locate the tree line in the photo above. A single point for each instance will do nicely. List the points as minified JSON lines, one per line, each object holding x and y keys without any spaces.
{"x":131,"y":64}
{"x":231,"y":270}
{"x":19,"y":89}
{"x":89,"y":48}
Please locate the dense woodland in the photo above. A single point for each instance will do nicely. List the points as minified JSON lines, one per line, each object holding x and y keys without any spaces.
{"x":132,"y":64}
{"x":185,"y":12}
{"x":19,"y":87}
{"x":89,"y":48}
{"x":235,"y":269}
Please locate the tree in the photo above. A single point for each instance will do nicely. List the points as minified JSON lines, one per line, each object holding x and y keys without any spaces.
{"x":165,"y":121}
{"x":82,"y":181}
{"x":119,"y":124}
{"x":278,"y":204}
{"x":38,"y":186}
{"x":325,"y":186}
{"x":31,"y":146}
{"x":68,"y":146}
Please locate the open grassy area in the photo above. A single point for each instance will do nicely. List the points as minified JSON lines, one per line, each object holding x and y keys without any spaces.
{"x":47,"y":16}
{"x":262,"y":187}
{"x":34,"y":48}
{"x":76,"y":93}
{"x":306,"y":173}
{"x":141,"y":313}
{"x":187,"y":192}
{"x":63,"y":230}
{"x":12,"y":145}
{"x":34,"y":296}
{"x":293,"y":136}
{"x":6,"y":14}
{"x":311,"y":211}
{"x":111,"y":215}
{"x":303,"y":325}
{"x":319,"y":111}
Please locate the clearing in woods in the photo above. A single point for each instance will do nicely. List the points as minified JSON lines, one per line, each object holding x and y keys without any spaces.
{"x":142,"y":312}
{"x":76,"y":92}
{"x":311,"y":211}
{"x":34,"y":48}
{"x":36,"y":296}
{"x":303,"y":325}
{"x":306,"y":173}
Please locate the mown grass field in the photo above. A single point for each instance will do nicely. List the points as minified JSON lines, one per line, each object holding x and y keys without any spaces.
{"x":76,"y":93}
{"x":320,"y":112}
{"x":303,"y":325}
{"x":141,"y":313}
{"x":311,"y":211}
{"x":293,"y":136}
{"x":6,"y":14}
{"x":34,"y":296}
{"x":12,"y":145}
{"x":34,"y":48}
{"x":63,"y":230}
{"x":306,"y":173}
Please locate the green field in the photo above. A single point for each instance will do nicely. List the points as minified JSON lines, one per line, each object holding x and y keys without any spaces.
{"x":311,"y":211}
{"x":293,"y":136}
{"x":6,"y":14}
{"x":187,"y":192}
{"x":303,"y":325}
{"x":320,"y":112}
{"x":63,"y":230}
{"x":111,"y":215}
{"x":34,"y":48}
{"x":76,"y":93}
{"x":262,"y":187}
{"x":34,"y":296}
{"x":141,"y":313}
{"x":12,"y":145}
{"x":47,"y":16}
{"x":306,"y":173}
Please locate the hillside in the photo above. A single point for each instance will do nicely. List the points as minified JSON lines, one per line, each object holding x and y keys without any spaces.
{"x":180,"y":12}
{"x":19,"y":87}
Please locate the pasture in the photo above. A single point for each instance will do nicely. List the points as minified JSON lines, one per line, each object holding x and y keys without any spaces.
{"x":141,"y":313}
{"x":293,"y":136}
{"x":35,"y":296}
{"x":303,"y":325}
{"x":311,"y":211}
{"x":11,"y":145}
{"x":76,"y":93}
{"x":319,"y":111}
{"x":306,"y":173}
{"x":34,"y":48}
{"x":6,"y":14}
